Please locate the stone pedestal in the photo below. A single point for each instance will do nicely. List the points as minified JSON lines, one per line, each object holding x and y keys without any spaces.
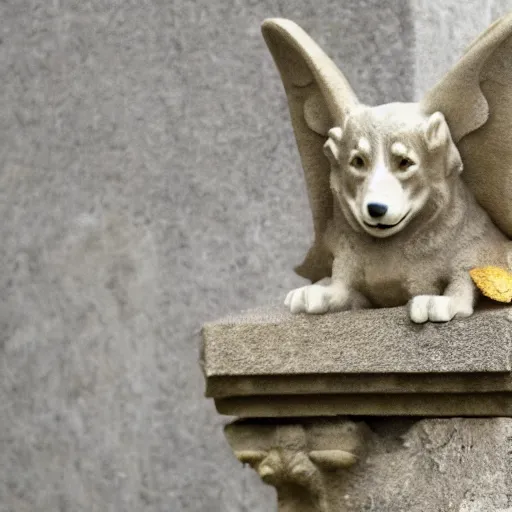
{"x":365,"y":411}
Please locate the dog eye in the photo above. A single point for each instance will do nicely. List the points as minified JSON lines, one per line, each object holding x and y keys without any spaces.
{"x":357,"y":162}
{"x":405,"y":163}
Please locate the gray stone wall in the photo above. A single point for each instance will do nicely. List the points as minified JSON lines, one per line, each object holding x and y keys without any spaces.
{"x":150,"y":182}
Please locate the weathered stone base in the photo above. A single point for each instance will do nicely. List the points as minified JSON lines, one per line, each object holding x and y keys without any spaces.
{"x":364,"y":411}
{"x":397,"y":465}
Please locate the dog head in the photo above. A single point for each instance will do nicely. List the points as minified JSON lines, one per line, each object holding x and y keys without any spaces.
{"x":387,"y":162}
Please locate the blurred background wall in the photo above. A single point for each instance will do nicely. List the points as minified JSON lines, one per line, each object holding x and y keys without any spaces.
{"x":149,"y":182}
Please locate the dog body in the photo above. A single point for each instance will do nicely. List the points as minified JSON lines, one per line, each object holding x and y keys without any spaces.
{"x":405,"y":228}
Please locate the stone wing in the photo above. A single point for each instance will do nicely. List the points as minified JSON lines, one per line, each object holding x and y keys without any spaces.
{"x":318,"y":97}
{"x":476,"y":100}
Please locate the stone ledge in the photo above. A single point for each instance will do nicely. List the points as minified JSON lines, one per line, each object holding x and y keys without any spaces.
{"x":271,"y":341}
{"x":269,"y":363}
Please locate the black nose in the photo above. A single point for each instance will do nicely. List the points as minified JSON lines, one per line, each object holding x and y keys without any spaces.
{"x":377,"y":209}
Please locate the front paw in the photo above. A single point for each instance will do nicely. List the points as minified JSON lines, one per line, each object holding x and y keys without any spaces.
{"x":437,"y":308}
{"x":314,"y":299}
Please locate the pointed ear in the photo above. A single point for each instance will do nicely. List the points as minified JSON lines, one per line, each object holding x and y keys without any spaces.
{"x":437,"y":132}
{"x":438,"y":136}
{"x":331,"y":147}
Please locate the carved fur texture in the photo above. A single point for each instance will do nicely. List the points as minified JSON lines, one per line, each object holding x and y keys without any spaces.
{"x":395,"y":219}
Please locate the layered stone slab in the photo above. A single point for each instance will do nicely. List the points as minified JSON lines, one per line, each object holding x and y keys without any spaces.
{"x":269,"y":363}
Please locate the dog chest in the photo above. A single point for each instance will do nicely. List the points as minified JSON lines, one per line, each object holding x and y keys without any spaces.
{"x":385,"y":285}
{"x":393,"y":282}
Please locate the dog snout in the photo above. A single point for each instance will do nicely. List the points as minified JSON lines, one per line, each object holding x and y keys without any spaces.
{"x":377,"y":209}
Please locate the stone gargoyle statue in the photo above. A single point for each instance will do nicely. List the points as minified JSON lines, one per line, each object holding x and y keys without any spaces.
{"x":407,"y":198}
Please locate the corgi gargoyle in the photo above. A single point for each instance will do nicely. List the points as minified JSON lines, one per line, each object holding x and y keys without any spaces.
{"x":407,"y":198}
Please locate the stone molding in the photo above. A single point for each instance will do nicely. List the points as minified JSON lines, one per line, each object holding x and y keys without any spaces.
{"x":269,"y":363}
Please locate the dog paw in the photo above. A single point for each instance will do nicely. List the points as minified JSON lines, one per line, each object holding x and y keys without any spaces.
{"x":435,"y":308}
{"x":314,"y":299}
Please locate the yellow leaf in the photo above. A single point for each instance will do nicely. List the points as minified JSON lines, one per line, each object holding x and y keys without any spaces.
{"x":493,"y":282}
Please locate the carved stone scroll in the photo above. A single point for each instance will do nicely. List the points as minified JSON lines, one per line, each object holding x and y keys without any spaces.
{"x":299,"y":459}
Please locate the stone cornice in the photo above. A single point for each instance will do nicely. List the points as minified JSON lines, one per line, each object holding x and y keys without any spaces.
{"x":269,"y":363}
